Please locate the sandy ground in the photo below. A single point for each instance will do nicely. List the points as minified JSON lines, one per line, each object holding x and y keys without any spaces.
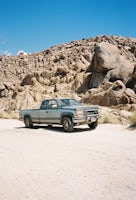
{"x":48,"y":164}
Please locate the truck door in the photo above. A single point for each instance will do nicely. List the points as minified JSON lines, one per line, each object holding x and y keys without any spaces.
{"x":52,"y":112}
{"x":49,"y":112}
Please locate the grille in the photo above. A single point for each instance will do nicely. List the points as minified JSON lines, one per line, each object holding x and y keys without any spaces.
{"x":92,"y":112}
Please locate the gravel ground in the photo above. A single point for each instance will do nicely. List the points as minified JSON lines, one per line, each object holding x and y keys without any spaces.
{"x":47,"y":164}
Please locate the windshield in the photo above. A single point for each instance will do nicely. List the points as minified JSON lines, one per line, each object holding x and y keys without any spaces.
{"x":68,"y":102}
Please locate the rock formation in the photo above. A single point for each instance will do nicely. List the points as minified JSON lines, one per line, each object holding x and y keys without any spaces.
{"x":99,"y":70}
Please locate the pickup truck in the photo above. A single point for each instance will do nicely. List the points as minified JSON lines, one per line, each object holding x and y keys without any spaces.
{"x":67,"y":112}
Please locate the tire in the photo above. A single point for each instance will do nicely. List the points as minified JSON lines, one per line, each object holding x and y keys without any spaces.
{"x":49,"y":126}
{"x":28,"y":122}
{"x":93,"y":125}
{"x":67,"y":124}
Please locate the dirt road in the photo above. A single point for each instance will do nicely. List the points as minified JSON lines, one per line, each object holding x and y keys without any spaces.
{"x":48,"y":164}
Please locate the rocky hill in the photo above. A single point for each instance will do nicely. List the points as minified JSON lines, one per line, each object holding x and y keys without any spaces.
{"x":99,"y":70}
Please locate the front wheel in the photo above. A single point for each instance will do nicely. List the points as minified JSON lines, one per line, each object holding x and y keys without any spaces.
{"x":93,"y":125}
{"x":67,"y":125}
{"x":28,"y":122}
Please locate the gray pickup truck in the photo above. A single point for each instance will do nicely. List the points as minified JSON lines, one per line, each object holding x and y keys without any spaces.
{"x":64,"y":111}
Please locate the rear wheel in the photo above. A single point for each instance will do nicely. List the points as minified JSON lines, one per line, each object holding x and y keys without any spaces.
{"x":28,"y":122}
{"x":93,"y":125}
{"x":67,"y":124}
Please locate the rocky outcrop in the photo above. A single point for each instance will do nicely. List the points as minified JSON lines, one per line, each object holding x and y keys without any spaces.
{"x":110,"y":94}
{"x":99,"y":70}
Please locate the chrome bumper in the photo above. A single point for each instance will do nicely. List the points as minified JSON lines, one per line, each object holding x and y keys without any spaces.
{"x":85,"y":120}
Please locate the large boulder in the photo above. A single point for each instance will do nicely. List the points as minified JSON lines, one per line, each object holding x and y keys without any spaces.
{"x":109,"y":65}
{"x":80,"y":83}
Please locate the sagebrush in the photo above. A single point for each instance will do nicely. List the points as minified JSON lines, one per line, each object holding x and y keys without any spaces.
{"x":133,"y":119}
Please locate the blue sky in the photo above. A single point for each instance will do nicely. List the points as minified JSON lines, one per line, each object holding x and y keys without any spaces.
{"x":35,"y":25}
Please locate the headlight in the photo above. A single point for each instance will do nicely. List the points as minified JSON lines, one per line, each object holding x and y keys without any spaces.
{"x":79,"y":113}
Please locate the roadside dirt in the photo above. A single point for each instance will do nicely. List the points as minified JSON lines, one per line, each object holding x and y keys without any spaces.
{"x":48,"y":164}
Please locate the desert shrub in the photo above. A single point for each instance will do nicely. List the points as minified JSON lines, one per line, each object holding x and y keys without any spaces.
{"x":14,"y":115}
{"x":108,"y":118}
{"x":4,"y":115}
{"x":9,"y":115}
{"x":133,"y":119}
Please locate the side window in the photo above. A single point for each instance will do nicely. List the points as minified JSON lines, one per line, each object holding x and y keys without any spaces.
{"x":51,"y":104}
{"x":48,"y":104}
{"x":44,"y":105}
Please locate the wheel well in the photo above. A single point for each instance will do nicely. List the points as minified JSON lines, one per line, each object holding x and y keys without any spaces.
{"x":27,"y":116}
{"x":66,"y":116}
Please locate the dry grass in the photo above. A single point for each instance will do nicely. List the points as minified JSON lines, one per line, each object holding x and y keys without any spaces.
{"x":8,"y":115}
{"x":133,"y":119}
{"x":109,"y":118}
{"x":114,"y":116}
